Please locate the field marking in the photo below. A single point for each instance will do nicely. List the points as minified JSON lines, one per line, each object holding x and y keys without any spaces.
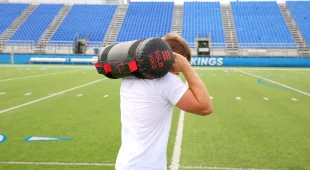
{"x":220,"y":168}
{"x":292,"y":71}
{"x":294,"y":99}
{"x":307,"y":94}
{"x":238,"y":98}
{"x":175,"y":163}
{"x":265,"y":98}
{"x":16,"y":78}
{"x":251,"y":69}
{"x":112,"y":164}
{"x":106,"y":95}
{"x":27,"y":94}
{"x":2,"y":93}
{"x":79,"y":95}
{"x":211,"y":97}
{"x":50,"y":96}
{"x":47,"y":66}
{"x":58,"y":163}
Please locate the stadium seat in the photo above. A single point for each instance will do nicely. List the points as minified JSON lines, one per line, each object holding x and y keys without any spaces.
{"x":86,"y":21}
{"x":8,"y":13}
{"x":261,"y":24}
{"x":200,"y":19}
{"x":35,"y":25}
{"x":146,"y":19}
{"x":301,"y":14}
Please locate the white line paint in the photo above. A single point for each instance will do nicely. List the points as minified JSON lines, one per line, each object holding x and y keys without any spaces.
{"x":111,"y":164}
{"x":106,"y":95}
{"x":265,"y":98}
{"x":79,"y":95}
{"x":238,"y":98}
{"x":220,"y":168}
{"x":16,"y":78}
{"x":50,"y":96}
{"x":2,"y":93}
{"x":254,"y":69}
{"x":27,"y":94}
{"x":292,"y":71}
{"x":307,"y":94}
{"x":294,"y":99}
{"x":58,"y":163}
{"x":211,"y":97}
{"x":175,"y":163}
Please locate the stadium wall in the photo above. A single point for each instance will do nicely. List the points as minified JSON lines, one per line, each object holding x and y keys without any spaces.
{"x":196,"y":61}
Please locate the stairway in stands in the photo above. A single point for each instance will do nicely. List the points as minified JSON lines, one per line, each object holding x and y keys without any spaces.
{"x":177,"y":19}
{"x":298,"y":38}
{"x":115,"y":26}
{"x":229,"y":29}
{"x":46,"y":36}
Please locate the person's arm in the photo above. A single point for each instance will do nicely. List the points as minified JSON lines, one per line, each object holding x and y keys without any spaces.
{"x":196,"y":99}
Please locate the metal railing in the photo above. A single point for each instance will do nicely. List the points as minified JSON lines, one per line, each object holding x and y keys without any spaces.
{"x":92,"y":48}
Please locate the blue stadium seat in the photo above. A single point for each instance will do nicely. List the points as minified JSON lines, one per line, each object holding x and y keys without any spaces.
{"x":88,"y":21}
{"x":8,"y":13}
{"x":301,"y":13}
{"x":261,"y":24}
{"x":145,"y":20}
{"x":200,"y":19}
{"x":35,"y":25}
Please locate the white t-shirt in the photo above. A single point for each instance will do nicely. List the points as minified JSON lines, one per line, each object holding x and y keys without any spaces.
{"x":146,"y":113}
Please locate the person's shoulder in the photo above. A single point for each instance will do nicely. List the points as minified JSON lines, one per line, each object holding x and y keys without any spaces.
{"x":170,"y":76}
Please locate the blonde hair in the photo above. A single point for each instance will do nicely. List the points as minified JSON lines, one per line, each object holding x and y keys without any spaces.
{"x":174,"y":39}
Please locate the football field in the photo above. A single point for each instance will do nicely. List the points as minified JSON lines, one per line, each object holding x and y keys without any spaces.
{"x":68,"y":117}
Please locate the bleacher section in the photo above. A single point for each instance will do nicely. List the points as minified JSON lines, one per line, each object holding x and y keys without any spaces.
{"x":146,"y":19}
{"x":88,"y":21}
{"x":35,"y":25}
{"x":261,"y":24}
{"x":301,"y":13}
{"x":200,"y":19}
{"x":8,"y":13}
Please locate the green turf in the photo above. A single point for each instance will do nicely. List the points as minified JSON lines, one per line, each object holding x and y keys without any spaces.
{"x":249,"y":133}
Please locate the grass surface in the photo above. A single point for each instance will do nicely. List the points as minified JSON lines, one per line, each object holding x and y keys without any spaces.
{"x":248,"y":133}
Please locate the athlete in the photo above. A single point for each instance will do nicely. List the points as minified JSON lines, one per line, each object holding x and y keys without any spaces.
{"x":147,"y":107}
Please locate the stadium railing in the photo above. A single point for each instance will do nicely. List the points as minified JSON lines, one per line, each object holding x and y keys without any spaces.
{"x":216,"y":49}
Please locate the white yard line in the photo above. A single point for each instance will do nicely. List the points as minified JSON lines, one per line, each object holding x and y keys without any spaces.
{"x":265,"y":98}
{"x":2,"y":93}
{"x":220,"y":168}
{"x":58,"y":163}
{"x":79,"y":95}
{"x":307,"y":94}
{"x":238,"y":98}
{"x":294,"y":99}
{"x":27,"y":94}
{"x":47,"y":97}
{"x":106,"y":96}
{"x":47,"y":66}
{"x":112,"y":164}
{"x":175,"y":163}
{"x":292,"y":71}
{"x":16,"y":78}
{"x":250,"y":69}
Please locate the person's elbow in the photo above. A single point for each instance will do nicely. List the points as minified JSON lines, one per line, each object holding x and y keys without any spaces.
{"x":204,"y":111}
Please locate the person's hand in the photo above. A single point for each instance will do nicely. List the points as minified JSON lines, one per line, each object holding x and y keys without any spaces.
{"x":180,"y":64}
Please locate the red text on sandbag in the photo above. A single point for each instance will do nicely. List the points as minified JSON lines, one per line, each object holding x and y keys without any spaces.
{"x":152,"y":61}
{"x":158,"y":57}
